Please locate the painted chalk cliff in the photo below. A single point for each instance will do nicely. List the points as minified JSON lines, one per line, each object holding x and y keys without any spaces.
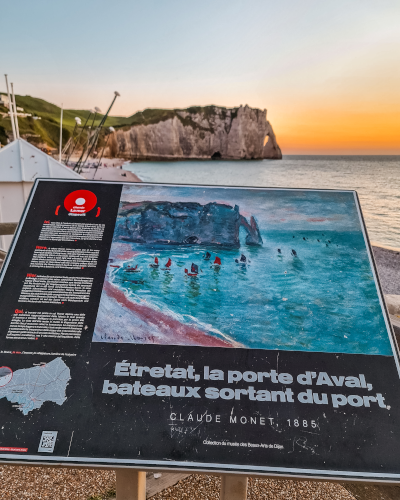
{"x":166,"y":223}
{"x":209,"y":132}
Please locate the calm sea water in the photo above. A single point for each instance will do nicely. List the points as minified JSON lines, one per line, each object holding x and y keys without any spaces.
{"x":375,"y":178}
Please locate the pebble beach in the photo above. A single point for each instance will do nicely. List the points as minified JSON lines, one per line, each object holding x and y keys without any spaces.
{"x":39,"y":483}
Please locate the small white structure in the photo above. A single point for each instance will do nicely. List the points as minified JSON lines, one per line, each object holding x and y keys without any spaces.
{"x":20,"y":164}
{"x":4,"y":101}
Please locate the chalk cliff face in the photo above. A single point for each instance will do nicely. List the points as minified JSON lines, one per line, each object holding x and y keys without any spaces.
{"x":200,"y":133}
{"x":166,"y":223}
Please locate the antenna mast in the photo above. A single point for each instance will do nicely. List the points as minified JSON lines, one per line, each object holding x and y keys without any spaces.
{"x":15,"y":110}
{"x":60,"y":146}
{"x":11,"y":110}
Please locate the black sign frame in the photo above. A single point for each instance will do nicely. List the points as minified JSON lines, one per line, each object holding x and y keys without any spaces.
{"x":171,"y":462}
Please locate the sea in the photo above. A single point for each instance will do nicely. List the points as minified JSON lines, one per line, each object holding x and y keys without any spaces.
{"x":375,"y":178}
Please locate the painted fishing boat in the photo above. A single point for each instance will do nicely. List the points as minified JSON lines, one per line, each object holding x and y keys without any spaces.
{"x":194,"y":270}
{"x":155,"y":265}
{"x":133,"y":269}
{"x":242,"y":260}
{"x":217,"y":262}
{"x":167,"y":265}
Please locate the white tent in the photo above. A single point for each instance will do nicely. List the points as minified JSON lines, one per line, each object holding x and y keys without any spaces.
{"x":20,"y":164}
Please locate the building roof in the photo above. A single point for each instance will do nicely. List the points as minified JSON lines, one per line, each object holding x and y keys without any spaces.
{"x":21,"y":161}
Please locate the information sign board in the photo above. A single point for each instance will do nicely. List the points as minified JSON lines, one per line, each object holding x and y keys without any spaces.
{"x":201,"y":328}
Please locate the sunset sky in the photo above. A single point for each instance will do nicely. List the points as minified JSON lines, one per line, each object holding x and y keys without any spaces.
{"x":327,"y":71}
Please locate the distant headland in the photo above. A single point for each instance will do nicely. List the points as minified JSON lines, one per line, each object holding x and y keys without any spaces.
{"x":199,"y":133}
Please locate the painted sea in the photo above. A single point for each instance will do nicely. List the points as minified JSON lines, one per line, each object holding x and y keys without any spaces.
{"x":293,"y":274}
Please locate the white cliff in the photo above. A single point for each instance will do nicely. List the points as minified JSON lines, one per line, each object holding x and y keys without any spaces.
{"x":197,"y":133}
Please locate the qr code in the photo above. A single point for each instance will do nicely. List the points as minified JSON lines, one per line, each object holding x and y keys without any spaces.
{"x":47,"y":441}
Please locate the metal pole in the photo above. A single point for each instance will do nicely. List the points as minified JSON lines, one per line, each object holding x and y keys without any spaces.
{"x":96,"y":110}
{"x":94,"y":117}
{"x":15,"y":111}
{"x":101,"y":156}
{"x":98,"y":131}
{"x":90,"y":129}
{"x":233,"y":487}
{"x":65,"y":149}
{"x":60,"y":146}
{"x":10,"y":108}
{"x":77,"y":140}
{"x":71,"y":141}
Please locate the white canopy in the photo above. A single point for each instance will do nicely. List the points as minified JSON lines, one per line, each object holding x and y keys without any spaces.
{"x":23,"y":162}
{"x":20,"y":164}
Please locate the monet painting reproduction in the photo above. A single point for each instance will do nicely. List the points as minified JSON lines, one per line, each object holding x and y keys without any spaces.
{"x":241,"y":268}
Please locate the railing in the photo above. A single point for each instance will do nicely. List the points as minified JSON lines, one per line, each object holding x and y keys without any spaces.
{"x":7,"y":228}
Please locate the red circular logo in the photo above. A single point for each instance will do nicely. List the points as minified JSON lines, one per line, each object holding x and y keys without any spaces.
{"x":80,"y":202}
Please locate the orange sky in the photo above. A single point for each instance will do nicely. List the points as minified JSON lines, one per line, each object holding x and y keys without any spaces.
{"x":337,"y":131}
{"x":328,"y":71}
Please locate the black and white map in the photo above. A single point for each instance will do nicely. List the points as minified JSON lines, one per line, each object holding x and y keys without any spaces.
{"x":31,"y":387}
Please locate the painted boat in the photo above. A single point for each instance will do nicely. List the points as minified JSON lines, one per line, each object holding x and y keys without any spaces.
{"x":156,"y":264}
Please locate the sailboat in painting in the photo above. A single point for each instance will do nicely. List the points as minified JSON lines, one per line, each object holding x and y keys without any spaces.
{"x":155,"y":265}
{"x":194,"y":270}
{"x":167,"y":265}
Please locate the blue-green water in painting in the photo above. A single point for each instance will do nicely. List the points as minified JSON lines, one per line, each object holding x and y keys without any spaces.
{"x":325,"y":299}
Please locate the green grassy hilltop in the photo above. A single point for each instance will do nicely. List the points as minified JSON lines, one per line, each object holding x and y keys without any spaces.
{"x":46,"y":131}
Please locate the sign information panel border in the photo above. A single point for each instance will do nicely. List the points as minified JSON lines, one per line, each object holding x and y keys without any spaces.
{"x":203,"y":328}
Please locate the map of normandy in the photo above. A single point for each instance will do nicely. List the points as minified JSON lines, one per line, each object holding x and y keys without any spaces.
{"x":31,"y":387}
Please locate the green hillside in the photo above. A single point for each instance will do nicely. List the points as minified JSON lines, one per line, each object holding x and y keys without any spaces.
{"x":47,"y":129}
